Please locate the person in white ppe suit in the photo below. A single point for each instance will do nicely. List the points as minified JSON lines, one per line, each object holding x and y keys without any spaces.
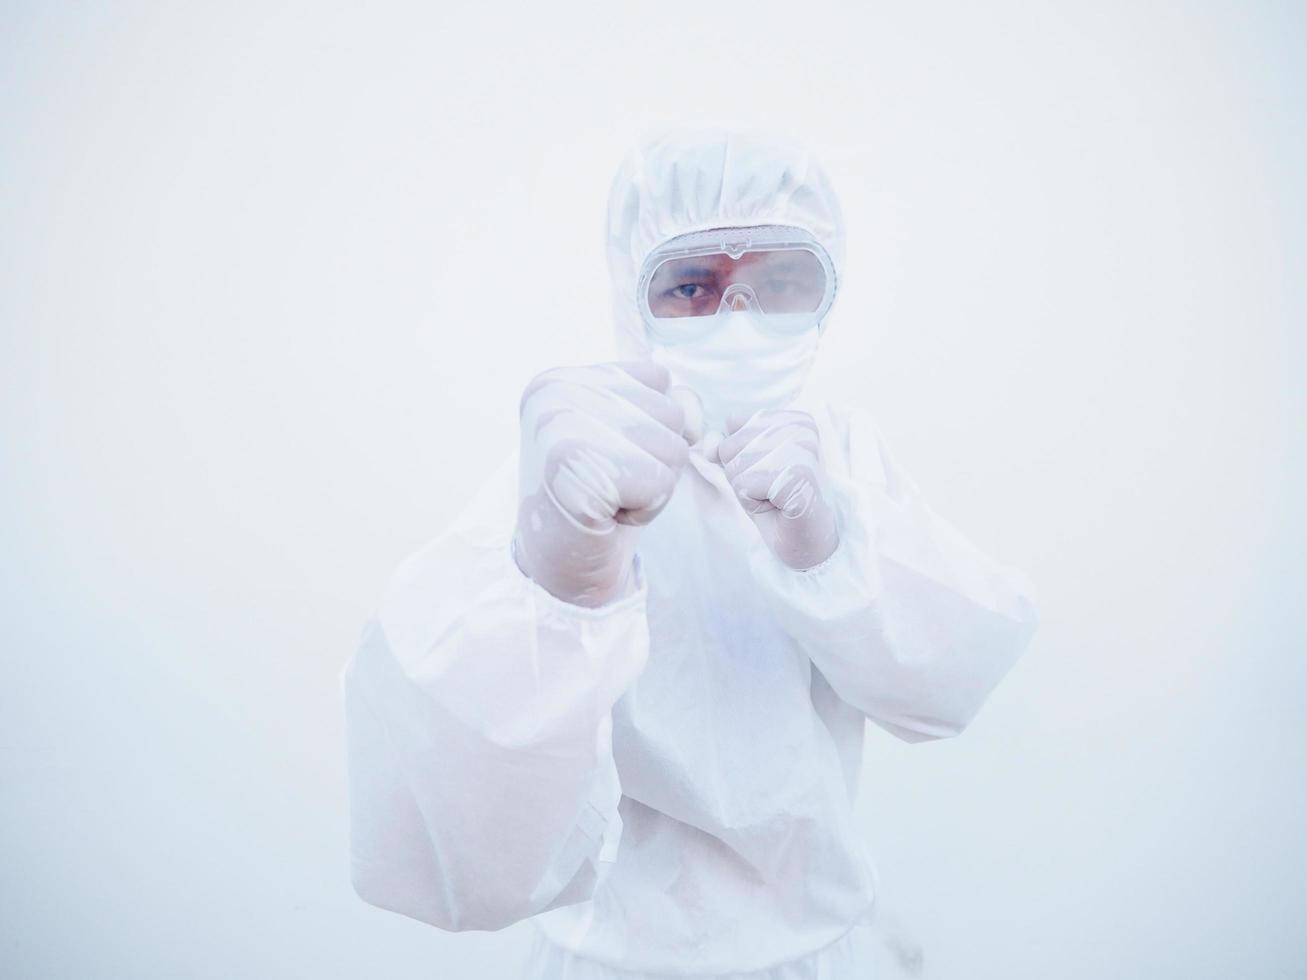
{"x":624,"y":694}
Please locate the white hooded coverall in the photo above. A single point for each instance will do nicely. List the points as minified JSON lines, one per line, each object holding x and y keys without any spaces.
{"x":665,"y":783}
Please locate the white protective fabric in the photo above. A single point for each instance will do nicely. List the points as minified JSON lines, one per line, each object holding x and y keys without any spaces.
{"x":738,"y":367}
{"x":666,"y":781}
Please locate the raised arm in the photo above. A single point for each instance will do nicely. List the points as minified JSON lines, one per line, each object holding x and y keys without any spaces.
{"x":906,"y":618}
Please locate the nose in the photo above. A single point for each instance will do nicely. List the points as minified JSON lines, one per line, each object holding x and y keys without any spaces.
{"x":738,"y":297}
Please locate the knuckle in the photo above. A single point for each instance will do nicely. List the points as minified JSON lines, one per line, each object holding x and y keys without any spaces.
{"x":539,"y":381}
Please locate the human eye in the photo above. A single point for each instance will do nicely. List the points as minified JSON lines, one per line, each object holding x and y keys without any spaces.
{"x":686,"y":287}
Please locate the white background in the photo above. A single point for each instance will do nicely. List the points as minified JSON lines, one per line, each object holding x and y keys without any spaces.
{"x":272,"y":280}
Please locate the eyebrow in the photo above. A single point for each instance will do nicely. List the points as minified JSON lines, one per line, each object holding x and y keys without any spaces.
{"x":690,"y":272}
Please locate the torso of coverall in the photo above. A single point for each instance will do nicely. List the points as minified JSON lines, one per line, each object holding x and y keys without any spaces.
{"x":665,"y":784}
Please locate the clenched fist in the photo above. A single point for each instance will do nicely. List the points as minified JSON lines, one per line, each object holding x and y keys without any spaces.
{"x":772,"y":459}
{"x":602,"y":448}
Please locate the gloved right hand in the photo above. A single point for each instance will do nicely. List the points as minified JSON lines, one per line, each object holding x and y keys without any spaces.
{"x":602,"y":448}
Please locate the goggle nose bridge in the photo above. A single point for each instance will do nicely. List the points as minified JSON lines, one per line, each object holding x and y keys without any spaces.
{"x":737,"y":248}
{"x":736,"y":292}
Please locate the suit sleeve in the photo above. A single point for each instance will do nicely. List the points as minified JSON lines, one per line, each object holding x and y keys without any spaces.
{"x":908,"y":621}
{"x":478,"y":723}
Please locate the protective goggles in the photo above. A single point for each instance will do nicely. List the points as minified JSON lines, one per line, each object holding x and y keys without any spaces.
{"x":778,"y":272}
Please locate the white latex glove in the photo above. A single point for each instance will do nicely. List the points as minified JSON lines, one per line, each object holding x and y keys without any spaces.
{"x":772,"y":459}
{"x":602,"y":447}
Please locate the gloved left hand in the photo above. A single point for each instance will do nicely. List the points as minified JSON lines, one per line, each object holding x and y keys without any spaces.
{"x":772,"y":459}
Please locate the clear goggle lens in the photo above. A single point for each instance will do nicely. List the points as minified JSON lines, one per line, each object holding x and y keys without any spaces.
{"x":789,"y":280}
{"x":779,"y":273}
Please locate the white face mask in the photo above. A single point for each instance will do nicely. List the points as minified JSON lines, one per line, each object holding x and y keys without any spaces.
{"x":739,"y":365}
